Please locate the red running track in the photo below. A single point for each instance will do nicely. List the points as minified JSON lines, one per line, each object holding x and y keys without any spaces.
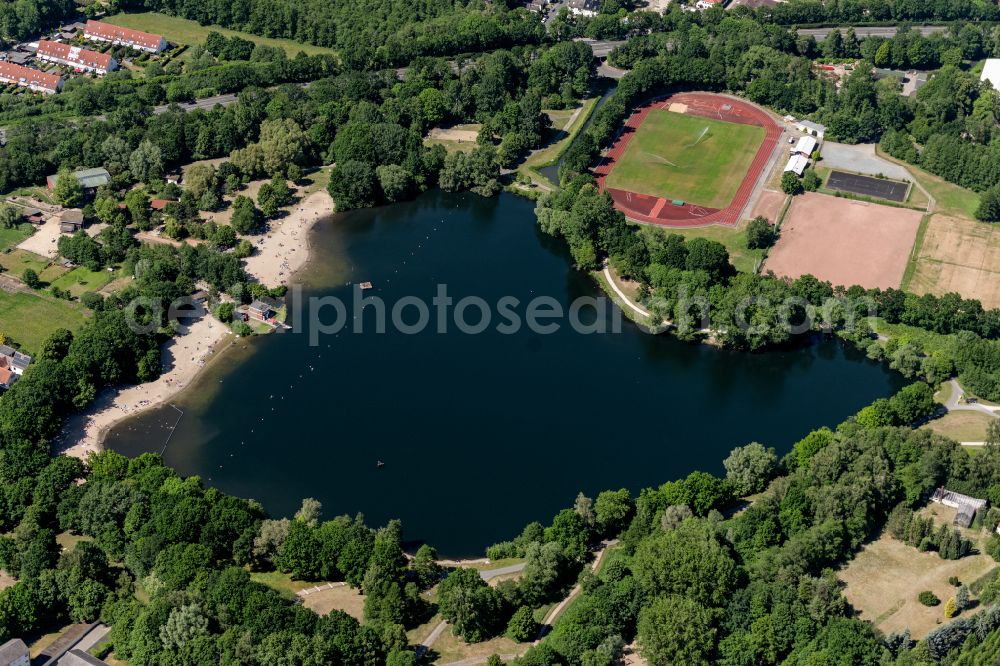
{"x":659,"y":210}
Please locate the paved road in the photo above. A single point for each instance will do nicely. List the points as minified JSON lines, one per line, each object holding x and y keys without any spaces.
{"x":954,"y":405}
{"x":489,"y":574}
{"x":207,"y":104}
{"x":485,"y":574}
{"x":607,"y":71}
{"x":601,"y":47}
{"x":871,"y":31}
{"x":553,"y":614}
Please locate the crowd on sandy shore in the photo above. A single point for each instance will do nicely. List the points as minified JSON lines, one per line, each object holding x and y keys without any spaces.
{"x":279,"y":253}
{"x":183,"y":358}
{"x":284,"y":249}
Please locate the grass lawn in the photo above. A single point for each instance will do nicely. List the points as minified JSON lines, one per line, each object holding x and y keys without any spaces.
{"x":281,"y":582}
{"x":82,"y":279}
{"x":550,"y":154}
{"x":30,"y":318}
{"x":315,"y":181}
{"x":494,"y":564}
{"x":883,"y":582}
{"x":929,"y":340}
{"x":735,"y":240}
{"x":949,"y":198}
{"x":918,"y":243}
{"x":419,"y":634}
{"x":697,"y":160}
{"x":16,"y":261}
{"x":68,"y":541}
{"x":344,"y":598}
{"x":52,"y":273}
{"x":10,"y":238}
{"x":183,"y":31}
{"x":39,"y":192}
{"x":943,"y":394}
{"x":962,"y":426}
{"x":450,"y":647}
{"x":955,"y":254}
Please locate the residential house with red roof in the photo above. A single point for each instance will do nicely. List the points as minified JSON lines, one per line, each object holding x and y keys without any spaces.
{"x":76,"y":57}
{"x":96,"y":31}
{"x":30,"y":78}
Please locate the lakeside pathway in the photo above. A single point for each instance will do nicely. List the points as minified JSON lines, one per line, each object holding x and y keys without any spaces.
{"x":547,"y":623}
{"x":621,"y":294}
{"x":485,"y":574}
{"x":554,"y":614}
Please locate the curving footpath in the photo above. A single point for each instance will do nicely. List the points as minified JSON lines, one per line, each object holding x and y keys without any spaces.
{"x":661,"y":211}
{"x":957,"y":393}
{"x":546,"y":624}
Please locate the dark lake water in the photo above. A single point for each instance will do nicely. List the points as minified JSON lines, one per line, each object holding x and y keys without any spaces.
{"x":479,"y":433}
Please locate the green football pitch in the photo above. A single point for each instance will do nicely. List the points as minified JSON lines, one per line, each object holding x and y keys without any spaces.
{"x":690,"y":158}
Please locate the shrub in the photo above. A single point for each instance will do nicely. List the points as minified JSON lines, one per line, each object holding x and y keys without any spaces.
{"x":30,"y":279}
{"x":225,"y":313}
{"x":503,"y":550}
{"x":522,"y":626}
{"x":811,"y":180}
{"x":950,"y":608}
{"x":928,"y":598}
{"x":993,"y":547}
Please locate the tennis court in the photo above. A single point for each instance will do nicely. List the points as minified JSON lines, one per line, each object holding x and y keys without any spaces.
{"x":879,"y":188}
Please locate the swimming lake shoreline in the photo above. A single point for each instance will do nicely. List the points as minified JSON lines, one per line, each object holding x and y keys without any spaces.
{"x":468,"y":408}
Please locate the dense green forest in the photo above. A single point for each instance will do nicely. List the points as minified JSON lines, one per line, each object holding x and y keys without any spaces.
{"x":369,"y":33}
{"x":24,"y":19}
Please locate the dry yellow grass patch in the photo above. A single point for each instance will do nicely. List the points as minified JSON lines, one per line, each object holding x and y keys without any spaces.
{"x":449,"y":647}
{"x":883,"y":582}
{"x":344,"y":598}
{"x":962,"y":426}
{"x":960,"y":256}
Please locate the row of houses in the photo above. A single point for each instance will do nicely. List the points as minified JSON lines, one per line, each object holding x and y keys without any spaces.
{"x":76,"y":57}
{"x":32,"y":79}
{"x":14,"y":71}
{"x":97,"y":31}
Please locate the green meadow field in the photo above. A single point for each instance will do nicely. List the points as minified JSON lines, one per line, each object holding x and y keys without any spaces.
{"x":184,"y":31}
{"x":697,"y":160}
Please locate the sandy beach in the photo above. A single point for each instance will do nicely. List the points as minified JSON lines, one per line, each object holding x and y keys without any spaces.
{"x":284,"y":249}
{"x":280,"y":252}
{"x":183,"y":358}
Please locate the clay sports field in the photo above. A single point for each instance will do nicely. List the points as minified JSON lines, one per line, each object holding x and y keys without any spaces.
{"x":958,"y":256}
{"x":845,"y":242}
{"x":692,"y":159}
